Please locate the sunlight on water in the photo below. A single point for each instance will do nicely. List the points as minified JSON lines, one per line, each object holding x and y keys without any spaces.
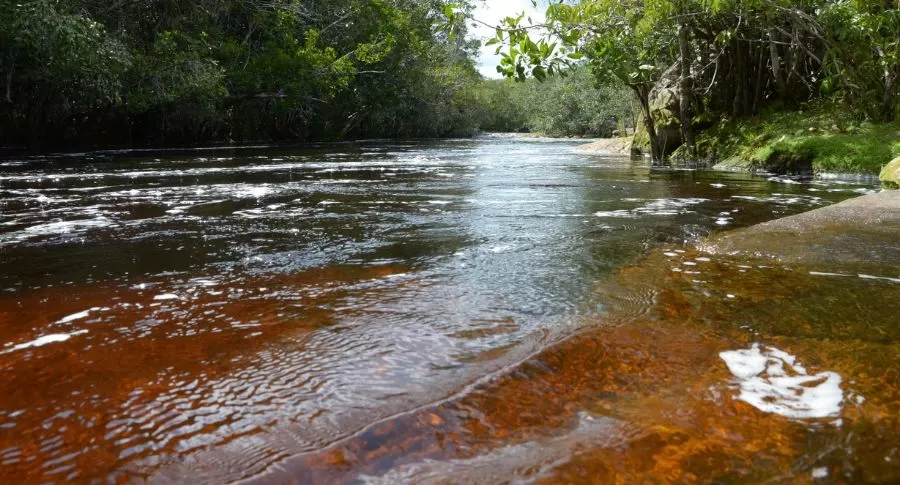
{"x":490,"y":310}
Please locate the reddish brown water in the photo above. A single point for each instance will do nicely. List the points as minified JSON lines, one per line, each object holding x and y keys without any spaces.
{"x":465,"y":312}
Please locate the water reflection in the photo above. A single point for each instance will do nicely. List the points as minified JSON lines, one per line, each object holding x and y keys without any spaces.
{"x":204,"y":317}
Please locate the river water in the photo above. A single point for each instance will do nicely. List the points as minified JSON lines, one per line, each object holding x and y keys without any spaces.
{"x":475,"y":311}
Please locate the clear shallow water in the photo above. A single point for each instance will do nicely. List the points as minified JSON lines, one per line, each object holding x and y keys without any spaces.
{"x":233,"y":314}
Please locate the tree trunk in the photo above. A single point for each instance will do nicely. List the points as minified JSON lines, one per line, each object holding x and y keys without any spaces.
{"x":888,"y":102}
{"x":775,"y":59}
{"x":9,"y":78}
{"x":760,"y":75}
{"x":738,"y":80}
{"x":745,"y":77}
{"x":687,"y":92}
{"x":643,"y":94}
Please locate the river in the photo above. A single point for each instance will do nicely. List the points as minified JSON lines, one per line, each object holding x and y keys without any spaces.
{"x":490,"y":310}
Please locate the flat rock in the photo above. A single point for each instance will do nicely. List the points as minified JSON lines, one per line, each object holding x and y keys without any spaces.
{"x":861,"y":230}
{"x":607,"y":146}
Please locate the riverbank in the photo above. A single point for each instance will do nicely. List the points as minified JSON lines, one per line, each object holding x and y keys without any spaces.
{"x":815,"y":140}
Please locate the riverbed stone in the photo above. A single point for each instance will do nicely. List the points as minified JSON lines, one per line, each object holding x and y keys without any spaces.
{"x":890,"y":175}
{"x":861,"y":231}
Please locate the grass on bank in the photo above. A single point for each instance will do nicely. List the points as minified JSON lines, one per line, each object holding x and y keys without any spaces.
{"x":821,"y":139}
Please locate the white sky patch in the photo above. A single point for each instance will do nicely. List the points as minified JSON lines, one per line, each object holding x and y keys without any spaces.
{"x":492,"y":12}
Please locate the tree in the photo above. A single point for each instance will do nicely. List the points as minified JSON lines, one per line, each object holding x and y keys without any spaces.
{"x":173,"y":72}
{"x":56,"y":67}
{"x":747,"y":53}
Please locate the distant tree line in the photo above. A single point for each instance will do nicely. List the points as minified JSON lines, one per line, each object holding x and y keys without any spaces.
{"x":569,"y":105}
{"x":169,"y":72}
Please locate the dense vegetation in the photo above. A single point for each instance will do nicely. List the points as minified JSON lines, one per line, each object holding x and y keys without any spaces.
{"x":570,"y":105}
{"x":169,"y":72}
{"x":91,"y":72}
{"x":833,"y":140}
{"x":693,"y":63}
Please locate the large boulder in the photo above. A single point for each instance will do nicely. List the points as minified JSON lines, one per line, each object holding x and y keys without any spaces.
{"x":665,"y":108}
{"x":890,"y":175}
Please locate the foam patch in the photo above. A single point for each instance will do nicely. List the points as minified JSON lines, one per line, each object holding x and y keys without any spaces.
{"x":773,"y":381}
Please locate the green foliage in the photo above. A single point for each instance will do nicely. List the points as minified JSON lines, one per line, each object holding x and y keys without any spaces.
{"x":862,"y":67}
{"x":560,"y":106}
{"x":55,"y":67}
{"x":824,"y":135}
{"x":723,"y":58}
{"x":170,"y":72}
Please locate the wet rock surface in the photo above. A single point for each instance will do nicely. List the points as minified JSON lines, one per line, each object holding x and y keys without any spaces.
{"x":860,"y":230}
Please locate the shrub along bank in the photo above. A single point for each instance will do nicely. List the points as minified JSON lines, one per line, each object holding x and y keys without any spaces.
{"x":815,"y":139}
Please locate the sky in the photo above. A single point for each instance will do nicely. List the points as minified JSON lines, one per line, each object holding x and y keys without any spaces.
{"x":492,"y":11}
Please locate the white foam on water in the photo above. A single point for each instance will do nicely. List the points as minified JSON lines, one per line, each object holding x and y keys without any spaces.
{"x":784,"y":180}
{"x":255,"y":191}
{"x":616,"y":213}
{"x":75,"y":316}
{"x":396,"y":275}
{"x":166,"y":296}
{"x":44,"y":340}
{"x":657,"y":207}
{"x":65,"y":227}
{"x":671,"y":255}
{"x":772,"y":381}
{"x":817,"y":273}
{"x":882,"y":278}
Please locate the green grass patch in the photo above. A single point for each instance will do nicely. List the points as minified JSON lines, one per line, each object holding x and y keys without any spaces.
{"x":819,"y":138}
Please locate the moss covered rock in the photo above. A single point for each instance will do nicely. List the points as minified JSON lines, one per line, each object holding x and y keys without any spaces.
{"x":665,"y":108}
{"x":890,"y":175}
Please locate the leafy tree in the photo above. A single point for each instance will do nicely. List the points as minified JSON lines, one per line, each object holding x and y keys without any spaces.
{"x":862,"y":65}
{"x":56,"y":67}
{"x":729,"y":57}
{"x":172,"y":72}
{"x":565,"y":105}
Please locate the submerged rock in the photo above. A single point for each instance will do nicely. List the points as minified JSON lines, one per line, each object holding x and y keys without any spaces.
{"x":890,"y":175}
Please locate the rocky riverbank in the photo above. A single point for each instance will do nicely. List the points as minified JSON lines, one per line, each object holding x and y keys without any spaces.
{"x":859,"y":231}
